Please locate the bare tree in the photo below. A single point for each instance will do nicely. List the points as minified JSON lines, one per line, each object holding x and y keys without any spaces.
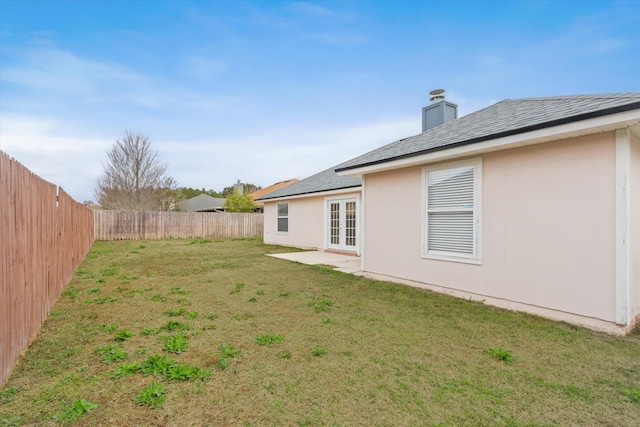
{"x":134,"y":177}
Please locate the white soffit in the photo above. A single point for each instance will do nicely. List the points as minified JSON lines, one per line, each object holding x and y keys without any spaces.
{"x":627,"y":119}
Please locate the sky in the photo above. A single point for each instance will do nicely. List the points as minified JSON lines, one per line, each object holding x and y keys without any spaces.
{"x":265,"y":91}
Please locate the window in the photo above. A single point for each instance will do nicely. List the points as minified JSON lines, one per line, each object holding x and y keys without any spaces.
{"x":283,"y":217}
{"x":452,"y":211}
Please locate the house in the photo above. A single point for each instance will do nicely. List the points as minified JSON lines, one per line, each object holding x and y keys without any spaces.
{"x":529,"y":204}
{"x":202,"y":203}
{"x":318,"y":212}
{"x":270,"y":189}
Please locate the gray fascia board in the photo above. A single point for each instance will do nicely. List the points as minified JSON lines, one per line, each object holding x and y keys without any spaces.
{"x":308,"y":192}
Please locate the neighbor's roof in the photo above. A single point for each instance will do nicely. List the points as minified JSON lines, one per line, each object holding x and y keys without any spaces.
{"x":201,"y":203}
{"x":278,"y":185}
{"x":327,"y":180}
{"x":508,"y":117}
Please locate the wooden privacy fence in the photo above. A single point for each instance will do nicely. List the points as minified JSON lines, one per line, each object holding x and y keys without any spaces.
{"x":44,"y":236}
{"x":140,"y":225}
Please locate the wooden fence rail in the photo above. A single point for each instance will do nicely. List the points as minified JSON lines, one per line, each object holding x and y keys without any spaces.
{"x":141,"y":225}
{"x":44,"y":236}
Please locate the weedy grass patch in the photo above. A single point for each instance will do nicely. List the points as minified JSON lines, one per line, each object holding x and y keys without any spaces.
{"x":500,"y":354}
{"x":178,"y":343}
{"x":123,"y":336}
{"x":153,"y":395}
{"x":317,"y":352}
{"x":7,"y":393}
{"x":357,"y":351}
{"x":269,"y":339}
{"x":79,"y":408}
{"x":227,"y":350}
{"x":111,"y":353}
{"x":173,"y":325}
{"x":175,"y":312}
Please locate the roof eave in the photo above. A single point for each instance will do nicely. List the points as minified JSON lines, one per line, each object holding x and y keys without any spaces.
{"x":340,"y":190}
{"x":584,"y":124}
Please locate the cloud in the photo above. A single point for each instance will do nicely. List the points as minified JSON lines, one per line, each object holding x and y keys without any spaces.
{"x":52,"y":151}
{"x":63,"y":155}
{"x":276,"y":154}
{"x":55,"y":70}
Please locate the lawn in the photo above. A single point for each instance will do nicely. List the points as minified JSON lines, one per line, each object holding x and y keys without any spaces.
{"x":199,"y":332}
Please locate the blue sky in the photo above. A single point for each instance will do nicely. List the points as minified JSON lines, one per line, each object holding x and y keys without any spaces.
{"x":264,"y":91}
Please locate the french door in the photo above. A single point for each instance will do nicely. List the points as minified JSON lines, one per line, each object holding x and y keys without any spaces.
{"x":342,"y":227}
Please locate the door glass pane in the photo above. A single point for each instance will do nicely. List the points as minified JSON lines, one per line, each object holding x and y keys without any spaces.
{"x":334,"y":226}
{"x":350,"y":223}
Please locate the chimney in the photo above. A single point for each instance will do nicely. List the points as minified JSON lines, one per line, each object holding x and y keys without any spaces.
{"x":239,"y":188}
{"x":439,"y":112}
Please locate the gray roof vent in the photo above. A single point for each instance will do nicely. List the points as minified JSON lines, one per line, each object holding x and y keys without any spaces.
{"x":439,"y":112}
{"x":436,"y":95}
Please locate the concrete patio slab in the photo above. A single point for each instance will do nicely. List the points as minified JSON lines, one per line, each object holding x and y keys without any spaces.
{"x":344,"y":263}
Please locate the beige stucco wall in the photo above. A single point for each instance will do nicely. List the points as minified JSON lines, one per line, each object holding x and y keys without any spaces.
{"x":634,"y":229}
{"x":306,"y":218}
{"x":548,"y":231}
{"x":306,"y":222}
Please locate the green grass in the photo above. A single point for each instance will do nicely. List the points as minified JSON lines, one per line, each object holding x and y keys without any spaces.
{"x":269,"y":339}
{"x":123,"y":336}
{"x":357,"y":351}
{"x":178,"y":343}
{"x":153,"y":395}
{"x":175,"y":312}
{"x":78,"y":409}
{"x":111,"y":353}
{"x":227,"y":350}
{"x":317,"y":352}
{"x":500,"y":354}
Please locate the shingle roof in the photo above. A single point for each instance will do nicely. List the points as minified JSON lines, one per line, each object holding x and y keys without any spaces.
{"x":201,"y":203}
{"x":270,"y":189}
{"x":508,"y":117}
{"x":326,"y":180}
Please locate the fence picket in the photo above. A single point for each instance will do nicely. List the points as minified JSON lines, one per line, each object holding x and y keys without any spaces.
{"x":44,"y":236}
{"x":140,"y":225}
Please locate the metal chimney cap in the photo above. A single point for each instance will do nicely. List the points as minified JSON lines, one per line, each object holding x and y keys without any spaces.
{"x":436,"y":95}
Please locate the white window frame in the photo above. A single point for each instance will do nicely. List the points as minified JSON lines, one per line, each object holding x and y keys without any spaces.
{"x":476,"y":256}
{"x":278,"y":217}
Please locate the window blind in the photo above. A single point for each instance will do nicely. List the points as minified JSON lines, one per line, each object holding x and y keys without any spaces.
{"x":450,"y":211}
